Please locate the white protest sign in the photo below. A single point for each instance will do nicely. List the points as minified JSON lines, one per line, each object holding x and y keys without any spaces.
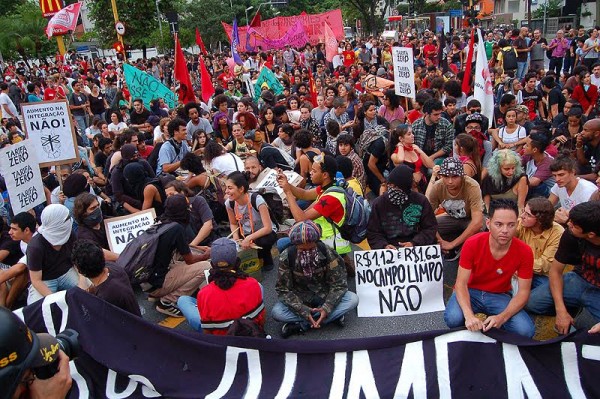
{"x":49,"y":126}
{"x":21,"y":171}
{"x":120,"y":230}
{"x":269,"y":181}
{"x":404,"y":72}
{"x":399,"y":282}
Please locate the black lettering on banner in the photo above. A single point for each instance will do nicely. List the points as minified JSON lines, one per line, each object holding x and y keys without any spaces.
{"x":23,"y":175}
{"x":402,"y":56}
{"x":17,"y":156}
{"x":27,"y":197}
{"x":47,"y":124}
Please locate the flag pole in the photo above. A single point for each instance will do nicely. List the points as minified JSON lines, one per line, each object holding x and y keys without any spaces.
{"x":62,"y":50}
{"x":119,"y":37}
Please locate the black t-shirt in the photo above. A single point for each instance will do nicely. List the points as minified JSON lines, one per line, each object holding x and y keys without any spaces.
{"x":97,"y":104}
{"x":170,"y":241}
{"x":117,"y":290}
{"x":270,"y":157}
{"x":498,"y":117}
{"x":42,"y":256}
{"x":583,"y":255}
{"x":429,"y":147}
{"x":556,"y":97}
{"x":377,"y":149}
{"x":13,"y":247}
{"x":531,"y":100}
{"x":97,"y":236}
{"x":139,"y":119}
{"x":100,"y":159}
{"x":592,"y":154}
{"x":520,"y":43}
{"x":78,"y":99}
{"x":200,"y":212}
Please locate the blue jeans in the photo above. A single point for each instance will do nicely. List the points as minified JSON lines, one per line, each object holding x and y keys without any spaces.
{"x":64,"y":282}
{"x":577,"y":293}
{"x":491,"y":304}
{"x":284,"y":314}
{"x":283,"y":243}
{"x":521,"y":70}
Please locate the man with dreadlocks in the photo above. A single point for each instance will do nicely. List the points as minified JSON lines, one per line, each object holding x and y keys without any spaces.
{"x":311,"y":286}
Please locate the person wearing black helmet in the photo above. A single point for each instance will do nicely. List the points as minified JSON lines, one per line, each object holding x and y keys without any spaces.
{"x":21,"y":354}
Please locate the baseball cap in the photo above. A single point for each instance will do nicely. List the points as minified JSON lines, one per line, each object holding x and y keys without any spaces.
{"x":474,"y":117}
{"x":23,"y":348}
{"x":522,"y":108}
{"x":223,"y":253}
{"x":452,"y":167}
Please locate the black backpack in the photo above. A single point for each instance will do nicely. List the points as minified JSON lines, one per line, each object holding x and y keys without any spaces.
{"x":509,"y":59}
{"x":137,"y":259}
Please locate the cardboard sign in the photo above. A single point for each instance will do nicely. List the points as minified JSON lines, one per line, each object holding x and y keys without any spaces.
{"x":120,"y":230}
{"x":49,"y":126}
{"x":270,"y":181}
{"x":404,"y":72}
{"x":20,"y":169}
{"x":399,"y":282}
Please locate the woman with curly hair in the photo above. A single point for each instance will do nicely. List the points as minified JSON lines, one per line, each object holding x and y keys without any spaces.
{"x":505,"y":179}
{"x":247,"y":120}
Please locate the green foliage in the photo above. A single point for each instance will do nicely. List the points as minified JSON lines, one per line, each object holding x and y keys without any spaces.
{"x":553,"y":9}
{"x":7,"y":7}
{"x":23,"y":33}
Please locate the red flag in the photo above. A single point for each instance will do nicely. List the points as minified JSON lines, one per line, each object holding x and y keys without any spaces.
{"x":466,"y":86}
{"x":312,"y":87}
{"x":63,"y":21}
{"x":186,"y":91}
{"x":200,"y":43}
{"x":331,"y":43}
{"x":207,"y":87}
{"x":256,"y":21}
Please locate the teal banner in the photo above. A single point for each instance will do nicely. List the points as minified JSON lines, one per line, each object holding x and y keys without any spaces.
{"x":267,"y":78}
{"x":147,"y":87}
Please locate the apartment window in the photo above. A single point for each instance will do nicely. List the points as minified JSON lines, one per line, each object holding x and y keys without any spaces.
{"x":513,"y":6}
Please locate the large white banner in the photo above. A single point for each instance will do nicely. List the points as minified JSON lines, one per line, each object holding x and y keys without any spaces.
{"x":269,"y":181}
{"x":120,"y":230}
{"x":21,"y":171}
{"x":404,"y":72}
{"x":50,"y":128}
{"x":399,"y":282}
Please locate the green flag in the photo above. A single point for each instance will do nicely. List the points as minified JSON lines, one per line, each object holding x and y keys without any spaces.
{"x":267,"y":78}
{"x":147,"y":87}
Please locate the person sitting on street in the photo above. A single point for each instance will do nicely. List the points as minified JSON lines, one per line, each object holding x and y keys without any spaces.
{"x":229,"y":295}
{"x":538,"y":229}
{"x":109,"y":282}
{"x":311,"y":285}
{"x":401,"y":217}
{"x":457,"y":203}
{"x":171,"y":280}
{"x":483,"y":284}
{"x":580,"y":288}
{"x":569,"y":190}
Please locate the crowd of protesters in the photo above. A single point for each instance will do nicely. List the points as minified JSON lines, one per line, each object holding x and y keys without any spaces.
{"x":514,"y":195}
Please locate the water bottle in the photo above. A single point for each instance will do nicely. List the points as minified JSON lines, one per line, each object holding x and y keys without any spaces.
{"x":339,"y":179}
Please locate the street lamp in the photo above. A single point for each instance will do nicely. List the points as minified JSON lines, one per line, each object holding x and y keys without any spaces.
{"x":248,"y":9}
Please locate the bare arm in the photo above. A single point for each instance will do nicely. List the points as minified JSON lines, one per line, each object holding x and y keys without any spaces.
{"x":464,"y":299}
{"x":563,"y":318}
{"x":170,"y":167}
{"x":473,"y":227}
{"x":203,"y":232}
{"x":110,"y":256}
{"x":522,"y":189}
{"x":38,"y":283}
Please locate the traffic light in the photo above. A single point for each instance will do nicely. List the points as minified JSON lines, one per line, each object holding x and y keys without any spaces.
{"x":118,"y":46}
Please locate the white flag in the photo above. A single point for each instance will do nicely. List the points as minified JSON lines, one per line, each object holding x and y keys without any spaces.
{"x":484,"y":88}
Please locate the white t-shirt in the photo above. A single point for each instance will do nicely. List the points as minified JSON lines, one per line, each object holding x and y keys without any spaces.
{"x":115,"y":128}
{"x":582,"y":193}
{"x":510,"y":138}
{"x":596,"y":80}
{"x":278,"y":143}
{"x":227,"y":163}
{"x":157,"y":133}
{"x":5,"y":100}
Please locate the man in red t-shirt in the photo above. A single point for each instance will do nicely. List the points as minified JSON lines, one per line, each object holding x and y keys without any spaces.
{"x":483,"y":284}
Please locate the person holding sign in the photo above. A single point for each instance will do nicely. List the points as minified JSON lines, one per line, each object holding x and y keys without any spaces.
{"x":401,"y":217}
{"x":311,"y":286}
{"x":483,"y":284}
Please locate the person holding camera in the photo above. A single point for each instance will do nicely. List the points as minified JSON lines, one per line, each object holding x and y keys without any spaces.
{"x":24,"y":370}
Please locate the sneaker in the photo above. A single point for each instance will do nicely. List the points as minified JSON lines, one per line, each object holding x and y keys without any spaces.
{"x":289,"y":329}
{"x":341,"y":322}
{"x":168,"y":308}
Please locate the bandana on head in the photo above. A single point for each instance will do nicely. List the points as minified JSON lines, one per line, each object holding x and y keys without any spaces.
{"x":304,"y":233}
{"x":56,"y":224}
{"x":397,"y":196}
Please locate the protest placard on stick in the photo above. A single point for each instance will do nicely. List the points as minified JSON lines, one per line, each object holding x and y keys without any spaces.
{"x":49,"y":126}
{"x":404,"y":72}
{"x":21,"y":172}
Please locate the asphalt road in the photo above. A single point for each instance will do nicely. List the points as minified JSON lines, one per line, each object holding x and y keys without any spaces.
{"x":355,"y":327}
